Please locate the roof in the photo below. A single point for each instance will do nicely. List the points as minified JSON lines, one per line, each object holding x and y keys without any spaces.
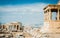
{"x":52,"y":6}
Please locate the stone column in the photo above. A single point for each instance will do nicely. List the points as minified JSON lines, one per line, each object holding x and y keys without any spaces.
{"x":50,"y":14}
{"x":16,"y":27}
{"x":58,"y":14}
{"x":2,"y":26}
{"x":19,"y":27}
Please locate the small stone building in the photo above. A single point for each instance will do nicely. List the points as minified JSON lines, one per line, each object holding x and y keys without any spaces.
{"x":51,"y":28}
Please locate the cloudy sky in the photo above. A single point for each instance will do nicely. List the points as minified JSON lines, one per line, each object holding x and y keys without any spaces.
{"x":25,"y":11}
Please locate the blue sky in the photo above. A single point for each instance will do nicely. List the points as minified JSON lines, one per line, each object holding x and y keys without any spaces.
{"x":25,"y":11}
{"x":14,"y":2}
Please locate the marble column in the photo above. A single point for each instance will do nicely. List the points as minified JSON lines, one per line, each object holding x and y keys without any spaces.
{"x":50,"y":14}
{"x":58,"y":15}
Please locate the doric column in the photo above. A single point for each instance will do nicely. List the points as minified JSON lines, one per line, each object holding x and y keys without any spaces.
{"x":16,"y":27}
{"x":19,"y":27}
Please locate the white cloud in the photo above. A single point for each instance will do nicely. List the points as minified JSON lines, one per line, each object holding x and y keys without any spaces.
{"x":36,"y":9}
{"x":28,"y":8}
